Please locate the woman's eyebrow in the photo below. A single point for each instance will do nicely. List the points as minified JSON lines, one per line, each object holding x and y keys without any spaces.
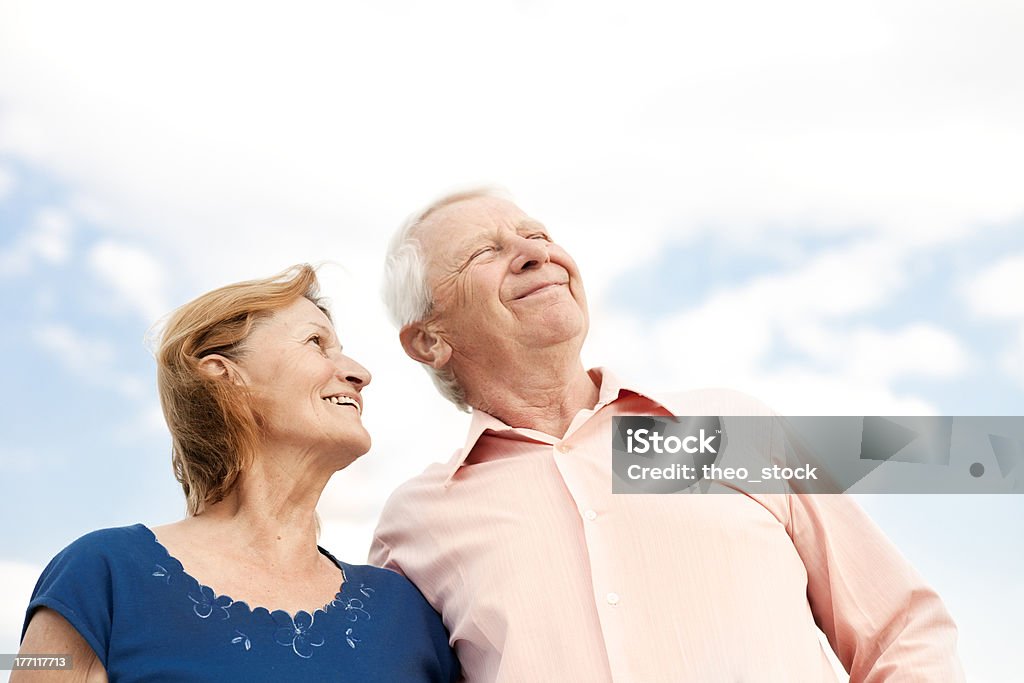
{"x":327,"y":332}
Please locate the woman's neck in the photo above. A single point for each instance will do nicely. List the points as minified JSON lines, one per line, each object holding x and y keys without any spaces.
{"x":271,"y":511}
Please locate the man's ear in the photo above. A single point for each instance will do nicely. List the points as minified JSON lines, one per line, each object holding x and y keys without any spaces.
{"x":425,"y":346}
{"x":216,"y":366}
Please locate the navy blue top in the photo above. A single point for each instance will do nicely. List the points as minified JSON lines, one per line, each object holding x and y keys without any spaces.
{"x":147,"y":620}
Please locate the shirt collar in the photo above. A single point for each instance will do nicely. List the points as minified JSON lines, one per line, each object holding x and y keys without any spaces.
{"x":610,"y":388}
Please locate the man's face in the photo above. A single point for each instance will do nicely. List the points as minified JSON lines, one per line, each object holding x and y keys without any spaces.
{"x":498,"y":279}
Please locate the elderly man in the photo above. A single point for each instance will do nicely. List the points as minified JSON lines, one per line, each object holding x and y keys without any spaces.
{"x":540,"y":572}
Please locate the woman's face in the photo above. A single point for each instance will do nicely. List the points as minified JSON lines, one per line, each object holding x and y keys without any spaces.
{"x":307,"y":391}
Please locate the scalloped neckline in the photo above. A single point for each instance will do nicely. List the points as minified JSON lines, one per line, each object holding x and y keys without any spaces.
{"x":329,"y":606}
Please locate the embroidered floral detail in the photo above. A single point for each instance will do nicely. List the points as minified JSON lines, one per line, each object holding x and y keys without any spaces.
{"x":351,"y":639}
{"x":206,"y":603}
{"x":354,"y":608}
{"x":161,"y":573}
{"x":243,"y":639}
{"x":297,"y":632}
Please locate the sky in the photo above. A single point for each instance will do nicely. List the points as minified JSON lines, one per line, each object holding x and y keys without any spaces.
{"x":816,"y":203}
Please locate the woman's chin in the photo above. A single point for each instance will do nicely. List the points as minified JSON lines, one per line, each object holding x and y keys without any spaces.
{"x":352,"y":448}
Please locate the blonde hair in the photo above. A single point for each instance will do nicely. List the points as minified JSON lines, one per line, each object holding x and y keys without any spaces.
{"x":214,"y":425}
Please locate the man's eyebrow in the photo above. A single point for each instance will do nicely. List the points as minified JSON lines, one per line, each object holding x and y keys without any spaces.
{"x":464,"y":249}
{"x":530,"y":224}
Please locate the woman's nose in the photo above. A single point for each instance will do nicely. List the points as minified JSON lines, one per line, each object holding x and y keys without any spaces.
{"x":353,"y":373}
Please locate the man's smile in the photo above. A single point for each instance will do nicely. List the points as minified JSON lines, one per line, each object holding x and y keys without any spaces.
{"x":540,"y":288}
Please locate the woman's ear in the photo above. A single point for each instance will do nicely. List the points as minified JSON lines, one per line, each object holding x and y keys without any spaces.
{"x":424,"y":345}
{"x":216,"y":366}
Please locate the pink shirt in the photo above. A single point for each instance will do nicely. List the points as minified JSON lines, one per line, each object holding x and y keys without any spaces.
{"x":542,"y":574}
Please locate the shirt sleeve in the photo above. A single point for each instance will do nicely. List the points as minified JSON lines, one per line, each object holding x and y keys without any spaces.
{"x":77,"y":584}
{"x":881,"y":618}
{"x":388,"y":526}
{"x":380,"y":554}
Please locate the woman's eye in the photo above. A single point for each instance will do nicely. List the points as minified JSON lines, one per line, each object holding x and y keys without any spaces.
{"x":481,"y":252}
{"x":316,"y":340}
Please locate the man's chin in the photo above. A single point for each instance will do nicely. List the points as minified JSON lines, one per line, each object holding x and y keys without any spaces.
{"x":549,"y":330}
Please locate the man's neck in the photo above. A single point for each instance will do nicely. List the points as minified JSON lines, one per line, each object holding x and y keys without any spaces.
{"x":540,"y":397}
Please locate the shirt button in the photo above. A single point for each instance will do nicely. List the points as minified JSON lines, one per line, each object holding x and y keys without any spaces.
{"x":590,"y":515}
{"x":562,"y":447}
{"x":613,"y":599}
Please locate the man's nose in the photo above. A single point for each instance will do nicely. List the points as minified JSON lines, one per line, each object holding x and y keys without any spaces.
{"x":530,"y":253}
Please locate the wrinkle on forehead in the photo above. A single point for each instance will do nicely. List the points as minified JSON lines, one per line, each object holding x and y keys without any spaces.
{"x":448,"y":235}
{"x":466,"y":214}
{"x":454,"y":251}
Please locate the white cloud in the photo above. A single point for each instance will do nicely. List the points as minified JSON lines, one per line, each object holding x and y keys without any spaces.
{"x":52,"y":234}
{"x":133,"y":273}
{"x":7,"y":182}
{"x":996,"y":291}
{"x":77,"y":352}
{"x":47,"y":240}
{"x":662,"y":116}
{"x":15,"y":590}
{"x":144,"y":422}
{"x":1012,"y":358}
{"x":18,"y":460}
{"x":916,"y":349}
{"x":738,"y":335}
{"x":995,"y":294}
{"x":15,"y":260}
{"x":726,"y":338}
{"x":793,"y":390}
{"x":89,"y":358}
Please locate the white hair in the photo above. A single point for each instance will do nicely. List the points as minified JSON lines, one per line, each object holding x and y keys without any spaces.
{"x":405,"y":290}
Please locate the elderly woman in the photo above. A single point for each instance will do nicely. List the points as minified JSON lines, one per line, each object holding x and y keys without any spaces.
{"x":263,"y":408}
